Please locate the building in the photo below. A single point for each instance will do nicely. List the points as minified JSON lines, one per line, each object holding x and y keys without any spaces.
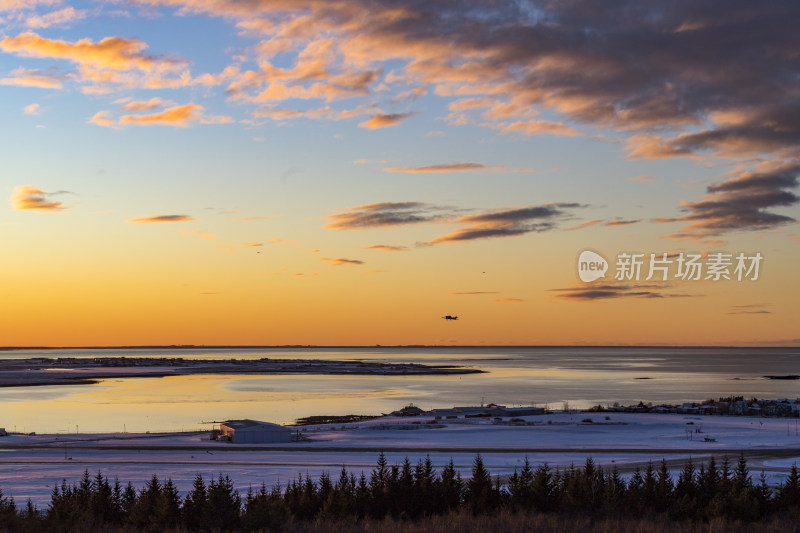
{"x":254,"y":432}
{"x":3,"y":432}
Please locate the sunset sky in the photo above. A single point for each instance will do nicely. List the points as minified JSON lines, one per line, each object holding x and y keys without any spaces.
{"x":347,"y":172}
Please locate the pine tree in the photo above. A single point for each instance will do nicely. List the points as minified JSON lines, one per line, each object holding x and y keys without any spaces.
{"x":144,"y":511}
{"x":168,"y":506}
{"x":195,"y":506}
{"x":451,"y":488}
{"x":479,"y":496}
{"x":789,"y":492}
{"x":224,"y":504}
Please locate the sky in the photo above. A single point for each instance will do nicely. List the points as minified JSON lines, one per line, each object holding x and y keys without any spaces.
{"x":349,"y":172}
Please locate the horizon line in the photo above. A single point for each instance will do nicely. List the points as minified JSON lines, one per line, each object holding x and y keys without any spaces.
{"x":271,"y":346}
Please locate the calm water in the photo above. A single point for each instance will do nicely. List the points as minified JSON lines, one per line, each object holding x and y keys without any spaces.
{"x":515,"y":376}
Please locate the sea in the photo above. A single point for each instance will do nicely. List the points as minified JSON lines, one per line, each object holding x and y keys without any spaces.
{"x":551,"y":377}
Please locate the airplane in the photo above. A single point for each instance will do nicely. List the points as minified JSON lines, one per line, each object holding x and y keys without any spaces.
{"x":449,"y":317}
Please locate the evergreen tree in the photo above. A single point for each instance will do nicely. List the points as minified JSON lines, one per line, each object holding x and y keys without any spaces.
{"x":480,"y":493}
{"x":789,"y":492}
{"x":195,"y":506}
{"x":224,"y":504}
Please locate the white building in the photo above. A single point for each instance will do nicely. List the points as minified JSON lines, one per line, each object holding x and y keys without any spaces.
{"x":254,"y":432}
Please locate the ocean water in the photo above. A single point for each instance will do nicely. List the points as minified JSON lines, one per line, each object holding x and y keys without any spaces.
{"x":554,"y":377}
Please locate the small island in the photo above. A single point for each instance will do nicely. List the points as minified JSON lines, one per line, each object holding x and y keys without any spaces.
{"x":85,"y":371}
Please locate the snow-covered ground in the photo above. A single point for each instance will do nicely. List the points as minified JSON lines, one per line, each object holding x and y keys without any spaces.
{"x":624,"y":439}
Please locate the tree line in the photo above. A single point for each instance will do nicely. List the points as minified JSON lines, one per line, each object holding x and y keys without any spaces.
{"x":712,"y":490}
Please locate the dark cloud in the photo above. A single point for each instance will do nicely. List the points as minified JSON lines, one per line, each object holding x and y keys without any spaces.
{"x":614,"y":222}
{"x":741,"y":203}
{"x":384,"y":214}
{"x":591,"y":292}
{"x":508,"y":222}
{"x":749,"y":309}
{"x":339,"y":261}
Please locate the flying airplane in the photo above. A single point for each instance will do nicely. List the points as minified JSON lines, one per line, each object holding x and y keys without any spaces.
{"x":449,"y":317}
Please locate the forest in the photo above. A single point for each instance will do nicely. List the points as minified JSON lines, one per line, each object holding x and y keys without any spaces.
{"x":710,"y":496}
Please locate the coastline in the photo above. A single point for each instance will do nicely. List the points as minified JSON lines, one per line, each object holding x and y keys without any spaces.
{"x":33,"y":372}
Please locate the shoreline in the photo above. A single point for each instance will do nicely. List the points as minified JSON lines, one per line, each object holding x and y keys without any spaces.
{"x":37,"y":372}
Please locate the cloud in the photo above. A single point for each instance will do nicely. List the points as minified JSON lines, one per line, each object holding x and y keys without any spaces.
{"x":21,"y":5}
{"x":32,"y":109}
{"x":30,"y":198}
{"x":741,"y":202}
{"x":473,"y":293}
{"x":143,"y":105}
{"x":179,"y":116}
{"x":60,"y":17}
{"x":644,"y":179}
{"x":591,"y":292}
{"x":621,"y":222}
{"x":601,"y":222}
{"x":387,"y":248}
{"x":384,"y":121}
{"x":385,"y":214}
{"x":509,"y":300}
{"x":22,"y":77}
{"x":749,"y":309}
{"x":112,"y":53}
{"x":161,"y":218}
{"x":443,"y":168}
{"x":253,"y":245}
{"x":586,"y":224}
{"x":508,"y":222}
{"x":339,"y":261}
{"x":106,"y":65}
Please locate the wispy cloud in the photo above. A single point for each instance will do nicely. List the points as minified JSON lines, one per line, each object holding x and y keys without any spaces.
{"x":473,"y":293}
{"x":179,"y":116}
{"x":341,"y":261}
{"x":31,"y":198}
{"x":509,"y":300}
{"x":602,"y":222}
{"x":644,"y":179}
{"x":32,"y":109}
{"x":508,"y":222}
{"x":384,"y":121}
{"x":384,"y":214}
{"x":591,"y":292}
{"x":161,"y":218}
{"x":750,"y":309}
{"x":23,"y":77}
{"x":741,"y":203}
{"x":60,"y":17}
{"x":387,"y":248}
{"x":445,"y":168}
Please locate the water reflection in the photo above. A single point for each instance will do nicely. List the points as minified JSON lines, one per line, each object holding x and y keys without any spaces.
{"x":545,"y":377}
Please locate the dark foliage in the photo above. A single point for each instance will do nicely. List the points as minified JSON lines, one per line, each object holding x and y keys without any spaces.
{"x":710,"y":493}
